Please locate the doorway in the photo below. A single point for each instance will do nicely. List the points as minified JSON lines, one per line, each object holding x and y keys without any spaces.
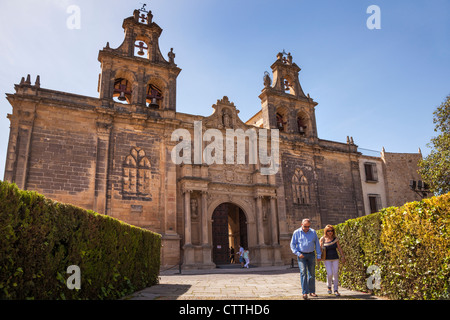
{"x":229,"y":230}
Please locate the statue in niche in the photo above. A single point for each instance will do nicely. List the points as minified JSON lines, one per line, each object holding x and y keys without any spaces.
{"x":226,"y":120}
{"x":194,"y":208}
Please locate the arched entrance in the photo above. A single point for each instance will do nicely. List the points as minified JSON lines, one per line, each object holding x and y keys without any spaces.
{"x":229,"y":230}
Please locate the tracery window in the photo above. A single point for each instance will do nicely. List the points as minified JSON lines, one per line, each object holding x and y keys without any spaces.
{"x":137,"y":174}
{"x":300,"y":188}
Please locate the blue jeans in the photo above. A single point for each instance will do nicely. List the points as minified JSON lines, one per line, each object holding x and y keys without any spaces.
{"x":307,"y":266}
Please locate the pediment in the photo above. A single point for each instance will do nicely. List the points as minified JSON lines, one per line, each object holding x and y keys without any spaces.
{"x":225,"y":116}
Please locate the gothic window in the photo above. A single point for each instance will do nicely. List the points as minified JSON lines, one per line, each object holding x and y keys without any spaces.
{"x":300,"y":188}
{"x":154,"y":96}
{"x":122,"y":90}
{"x":136,"y":175}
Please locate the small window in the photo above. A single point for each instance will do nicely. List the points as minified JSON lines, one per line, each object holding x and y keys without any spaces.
{"x":371,"y":172}
{"x":375,"y":203}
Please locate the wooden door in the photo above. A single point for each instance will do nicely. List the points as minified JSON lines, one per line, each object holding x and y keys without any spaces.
{"x":221,"y":251}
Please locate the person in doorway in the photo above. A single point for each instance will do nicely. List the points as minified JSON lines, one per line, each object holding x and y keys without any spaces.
{"x":232,"y":260}
{"x":303,"y":243}
{"x":241,"y":256}
{"x":330,"y":245}
{"x":246,"y":256}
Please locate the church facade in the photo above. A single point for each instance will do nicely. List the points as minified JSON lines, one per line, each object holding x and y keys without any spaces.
{"x":115,"y":155}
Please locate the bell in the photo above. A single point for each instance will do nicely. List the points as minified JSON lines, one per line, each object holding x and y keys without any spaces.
{"x":154,"y":102}
{"x":141,"y":49}
{"x":122,"y":97}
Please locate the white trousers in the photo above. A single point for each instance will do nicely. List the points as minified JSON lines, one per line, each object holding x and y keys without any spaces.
{"x":332,"y":267}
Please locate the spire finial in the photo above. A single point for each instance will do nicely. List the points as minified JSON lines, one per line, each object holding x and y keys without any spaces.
{"x":143,"y":8}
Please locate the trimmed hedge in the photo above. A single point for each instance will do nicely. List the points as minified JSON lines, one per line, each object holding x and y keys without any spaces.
{"x":41,"y":238}
{"x":409,"y":244}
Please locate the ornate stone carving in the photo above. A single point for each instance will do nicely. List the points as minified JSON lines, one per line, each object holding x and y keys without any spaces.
{"x":194,"y":208}
{"x":136,"y":175}
{"x":300,"y":188}
{"x":267,"y":80}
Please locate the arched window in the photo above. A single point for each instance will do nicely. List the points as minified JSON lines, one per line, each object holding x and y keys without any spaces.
{"x":154,"y":96}
{"x":141,"y":49}
{"x":136,"y":174}
{"x":122,"y":90}
{"x":281,"y":123}
{"x":288,"y":85}
{"x":300,"y":188}
{"x":301,"y":125}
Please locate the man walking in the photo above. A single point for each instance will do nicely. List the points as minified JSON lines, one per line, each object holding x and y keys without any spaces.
{"x":303,"y":242}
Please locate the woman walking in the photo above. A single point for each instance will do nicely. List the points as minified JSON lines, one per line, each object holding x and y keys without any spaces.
{"x":330,"y":245}
{"x":246,"y":258}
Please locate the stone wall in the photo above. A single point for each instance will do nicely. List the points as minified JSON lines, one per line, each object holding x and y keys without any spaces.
{"x":399,"y":169}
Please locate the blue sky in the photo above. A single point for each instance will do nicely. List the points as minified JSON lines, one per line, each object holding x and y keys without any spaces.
{"x":379,"y":86}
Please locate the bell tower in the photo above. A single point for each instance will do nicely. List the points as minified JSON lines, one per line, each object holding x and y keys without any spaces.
{"x":284,"y":104}
{"x":136,"y":73}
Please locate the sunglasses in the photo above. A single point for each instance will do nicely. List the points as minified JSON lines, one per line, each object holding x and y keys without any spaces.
{"x":330,"y":230}
{"x":306,"y":227}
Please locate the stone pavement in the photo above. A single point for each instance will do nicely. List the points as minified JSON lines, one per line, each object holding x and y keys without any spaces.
{"x":235,"y":283}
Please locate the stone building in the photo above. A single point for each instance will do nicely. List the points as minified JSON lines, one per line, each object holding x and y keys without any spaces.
{"x":391,"y":180}
{"x":114,"y":154}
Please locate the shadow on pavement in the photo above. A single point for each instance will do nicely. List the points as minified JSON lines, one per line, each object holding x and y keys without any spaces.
{"x":161,"y":292}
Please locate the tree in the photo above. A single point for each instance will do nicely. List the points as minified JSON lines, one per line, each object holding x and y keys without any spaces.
{"x":435,"y":168}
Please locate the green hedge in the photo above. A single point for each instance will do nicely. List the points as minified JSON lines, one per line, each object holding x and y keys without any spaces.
{"x":409,"y":244}
{"x":41,"y":238}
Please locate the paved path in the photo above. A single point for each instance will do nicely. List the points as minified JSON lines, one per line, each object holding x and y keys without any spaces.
{"x":258,"y":283}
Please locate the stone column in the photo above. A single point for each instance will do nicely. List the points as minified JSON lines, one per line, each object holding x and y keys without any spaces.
{"x":101,"y":167}
{"x":276,"y":247}
{"x":23,"y":144}
{"x":259,"y":220}
{"x":205,"y":237}
{"x":188,"y":248}
{"x":206,"y":227}
{"x":187,"y":217}
{"x":273,"y":220}
{"x":12,"y":147}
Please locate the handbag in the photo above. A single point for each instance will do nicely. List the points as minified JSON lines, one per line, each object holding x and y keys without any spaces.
{"x":322,"y":249}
